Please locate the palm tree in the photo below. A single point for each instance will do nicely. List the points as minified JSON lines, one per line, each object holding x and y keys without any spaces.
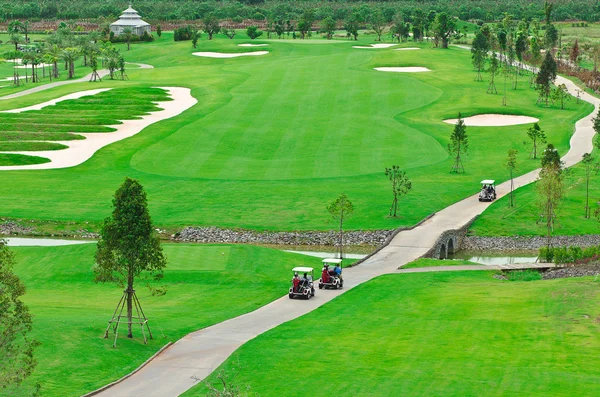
{"x":54,"y":55}
{"x":16,"y":39}
{"x":128,"y":33}
{"x":70,"y":55}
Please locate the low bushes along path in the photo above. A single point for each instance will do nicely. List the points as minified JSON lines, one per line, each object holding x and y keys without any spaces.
{"x":201,"y":352}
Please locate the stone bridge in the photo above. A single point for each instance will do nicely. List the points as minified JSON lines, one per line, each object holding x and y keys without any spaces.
{"x":449,"y":242}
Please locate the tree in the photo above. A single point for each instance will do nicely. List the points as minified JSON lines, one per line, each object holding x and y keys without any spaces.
{"x":511,"y":166}
{"x":493,"y":70}
{"x":444,"y":27}
{"x":459,"y":144}
{"x":305,"y":23}
{"x":561,"y":94}
{"x":328,"y":27}
{"x":545,"y":77}
{"x":70,"y":55}
{"x":229,"y":32}
{"x":211,"y":25}
{"x":341,"y":209}
{"x":537,"y":136}
{"x":16,"y":39}
{"x":587,"y":160}
{"x":158,"y":30}
{"x":378,"y":23}
{"x":550,"y":189}
{"x":550,"y":37}
{"x":253,"y":32}
{"x":128,"y":33}
{"x":401,"y":185}
{"x":16,"y":348}
{"x":351,"y":27}
{"x":479,"y":53}
{"x":574,"y":54}
{"x":195,"y":37}
{"x":128,"y":244}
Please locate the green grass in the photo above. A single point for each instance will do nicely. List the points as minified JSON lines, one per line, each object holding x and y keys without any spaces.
{"x":428,"y":262}
{"x":206,"y":284}
{"x":523,"y":275}
{"x":435,"y":334}
{"x":21,"y":159}
{"x":288,"y":132}
{"x":29,"y":146}
{"x":524,"y":218}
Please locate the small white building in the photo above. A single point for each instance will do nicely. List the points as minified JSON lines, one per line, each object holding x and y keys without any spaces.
{"x":130,"y":19}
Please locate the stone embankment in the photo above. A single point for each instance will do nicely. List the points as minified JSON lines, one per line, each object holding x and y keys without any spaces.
{"x":218,"y":235}
{"x":572,"y":271}
{"x":14,"y":228}
{"x":517,"y":243}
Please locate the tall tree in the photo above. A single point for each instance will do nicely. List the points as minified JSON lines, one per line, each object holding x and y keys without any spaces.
{"x":351,"y":27}
{"x":574,"y":53}
{"x":341,"y":209}
{"x":195,"y":37}
{"x":511,"y":166}
{"x":401,"y":185}
{"x":128,"y":33}
{"x":327,"y":27}
{"x":129,"y":245}
{"x":211,"y":25}
{"x":493,"y":69}
{"x":253,"y":32}
{"x":443,"y":28}
{"x":545,"y":77}
{"x":479,"y":53}
{"x":158,"y":30}
{"x":537,"y":136}
{"x":16,"y":347}
{"x":587,"y":160}
{"x":378,"y":23}
{"x":459,"y":144}
{"x":550,"y":189}
{"x":305,"y":23}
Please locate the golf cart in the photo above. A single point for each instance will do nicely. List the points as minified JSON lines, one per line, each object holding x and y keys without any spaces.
{"x":302,"y":283}
{"x":329,"y":279}
{"x":488,"y":190}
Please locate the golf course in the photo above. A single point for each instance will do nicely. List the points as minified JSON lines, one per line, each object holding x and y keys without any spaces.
{"x":261,"y":134}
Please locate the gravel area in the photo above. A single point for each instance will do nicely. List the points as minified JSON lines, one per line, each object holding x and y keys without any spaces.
{"x":218,"y":235}
{"x":515,"y":243}
{"x":14,"y":228}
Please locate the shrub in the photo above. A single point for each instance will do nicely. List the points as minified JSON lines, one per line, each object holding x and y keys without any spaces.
{"x":184,"y":33}
{"x":253,"y":32}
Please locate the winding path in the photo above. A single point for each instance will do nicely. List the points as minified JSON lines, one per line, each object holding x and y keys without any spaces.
{"x":201,"y":352}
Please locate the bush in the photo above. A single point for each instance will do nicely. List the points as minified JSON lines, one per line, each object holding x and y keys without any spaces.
{"x":147,"y":37}
{"x":523,"y":275}
{"x":184,"y":33}
{"x":253,"y":32}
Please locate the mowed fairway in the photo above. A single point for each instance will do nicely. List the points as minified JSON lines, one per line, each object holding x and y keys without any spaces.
{"x":205,"y":285}
{"x":436,"y":334}
{"x":287,"y":132}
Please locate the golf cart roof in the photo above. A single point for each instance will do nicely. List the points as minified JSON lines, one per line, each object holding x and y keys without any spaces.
{"x":302,"y":269}
{"x":332,"y":260}
{"x":488,"y":182}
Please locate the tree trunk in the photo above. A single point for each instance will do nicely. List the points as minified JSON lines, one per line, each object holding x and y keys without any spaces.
{"x":129,"y":305}
{"x":341,"y":237}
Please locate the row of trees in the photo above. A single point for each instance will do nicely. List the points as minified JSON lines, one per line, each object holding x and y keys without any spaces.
{"x":61,"y":47}
{"x":587,"y":10}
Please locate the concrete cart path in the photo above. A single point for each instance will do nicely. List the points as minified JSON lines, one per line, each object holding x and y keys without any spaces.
{"x":45,"y":87}
{"x":201,"y":352}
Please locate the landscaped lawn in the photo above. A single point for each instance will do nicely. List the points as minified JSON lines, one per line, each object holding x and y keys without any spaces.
{"x":275,"y":138}
{"x":206,"y":284}
{"x":433,"y":334}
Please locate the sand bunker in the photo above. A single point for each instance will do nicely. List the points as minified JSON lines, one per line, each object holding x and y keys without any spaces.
{"x":405,"y":69}
{"x":79,"y":151}
{"x":75,"y":95}
{"x":494,"y":120}
{"x":230,"y":55}
{"x":407,"y":49}
{"x":374,"y":46}
{"x":252,"y":45}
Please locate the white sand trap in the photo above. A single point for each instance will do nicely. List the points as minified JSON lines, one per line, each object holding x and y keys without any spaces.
{"x":81,"y":150}
{"x":494,"y":120}
{"x":230,"y":55}
{"x":382,"y":45}
{"x":407,"y":49}
{"x":252,"y":45}
{"x":405,"y":69}
{"x":75,"y":95}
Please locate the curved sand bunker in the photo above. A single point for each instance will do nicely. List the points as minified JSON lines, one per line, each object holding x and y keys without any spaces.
{"x":252,"y":45}
{"x":407,"y":49}
{"x":79,"y":151}
{"x":494,"y":120}
{"x":374,"y":46}
{"x":404,"y":69}
{"x":230,"y":55}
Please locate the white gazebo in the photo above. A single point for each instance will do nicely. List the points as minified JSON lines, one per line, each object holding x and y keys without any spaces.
{"x":130,"y":19}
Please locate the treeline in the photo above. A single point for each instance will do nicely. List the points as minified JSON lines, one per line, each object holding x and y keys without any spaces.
{"x":159,"y":10}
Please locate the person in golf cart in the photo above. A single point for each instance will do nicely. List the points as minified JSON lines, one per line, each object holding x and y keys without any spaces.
{"x":325,"y":275}
{"x":488,"y":191}
{"x":295,"y":282}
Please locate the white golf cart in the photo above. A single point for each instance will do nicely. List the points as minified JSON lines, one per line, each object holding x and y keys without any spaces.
{"x":488,"y":190}
{"x":302,"y":283}
{"x":329,"y":279}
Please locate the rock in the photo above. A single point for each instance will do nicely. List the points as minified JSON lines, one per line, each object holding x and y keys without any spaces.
{"x":516,"y":243}
{"x":14,"y":228}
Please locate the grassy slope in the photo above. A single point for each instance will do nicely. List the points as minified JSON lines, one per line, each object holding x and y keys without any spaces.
{"x":501,"y":220}
{"x":205,"y":285}
{"x":286,"y":133}
{"x":437,"y":334}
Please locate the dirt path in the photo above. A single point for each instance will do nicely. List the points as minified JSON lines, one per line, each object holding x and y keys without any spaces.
{"x":201,"y":352}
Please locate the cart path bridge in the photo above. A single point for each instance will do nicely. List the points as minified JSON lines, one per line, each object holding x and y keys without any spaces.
{"x":201,"y":352}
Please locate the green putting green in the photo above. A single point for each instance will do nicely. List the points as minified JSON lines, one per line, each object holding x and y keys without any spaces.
{"x":206,"y":284}
{"x":433,"y":334}
{"x":285,"y":134}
